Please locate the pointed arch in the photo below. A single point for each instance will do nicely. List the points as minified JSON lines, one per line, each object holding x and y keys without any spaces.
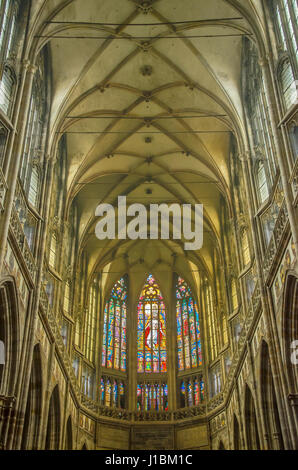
{"x":69,"y":435}
{"x":31,"y":429}
{"x":114,"y":343}
{"x":54,"y":421}
{"x":251,"y":426}
{"x":290,"y":328}
{"x":9,"y":335}
{"x":151,"y":340}
{"x":269,"y":402}
{"x":188,"y":327}
{"x":236,"y":433}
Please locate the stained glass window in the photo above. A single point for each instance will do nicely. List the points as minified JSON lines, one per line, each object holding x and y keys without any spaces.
{"x":102,"y":391}
{"x":192,"y":392}
{"x":111,"y":393}
{"x":108,"y":393}
{"x":188,"y":328}
{"x":115,"y":393}
{"x":152,"y":396}
{"x":245,"y":248}
{"x":53,"y":251}
{"x":90,"y":323}
{"x":152,"y":354}
{"x":211,"y":322}
{"x":114,"y":329}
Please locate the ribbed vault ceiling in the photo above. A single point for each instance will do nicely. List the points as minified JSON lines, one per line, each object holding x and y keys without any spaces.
{"x":146,"y":105}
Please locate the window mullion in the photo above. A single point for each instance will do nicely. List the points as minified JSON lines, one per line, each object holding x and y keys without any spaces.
{"x":286,"y":28}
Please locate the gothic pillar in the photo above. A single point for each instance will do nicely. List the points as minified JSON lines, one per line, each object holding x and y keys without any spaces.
{"x":12,"y":175}
{"x":267,"y":74}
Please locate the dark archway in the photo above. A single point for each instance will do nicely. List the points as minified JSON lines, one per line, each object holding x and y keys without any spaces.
{"x":9,"y":336}
{"x":54,"y":422}
{"x":31,"y":429}
{"x":69,"y":436}
{"x":84,"y":447}
{"x":9,"y":347}
{"x":272,"y":424}
{"x":251,"y":427}
{"x":236,"y":434}
{"x":221,"y":446}
{"x":290,"y":330}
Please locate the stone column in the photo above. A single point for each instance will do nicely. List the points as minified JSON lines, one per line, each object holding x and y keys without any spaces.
{"x":31,"y":321}
{"x":281,"y":152}
{"x":171,"y":348}
{"x":6,"y":407}
{"x":268,"y":313}
{"x":12,"y":175}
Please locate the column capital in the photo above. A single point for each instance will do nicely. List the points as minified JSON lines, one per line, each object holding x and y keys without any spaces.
{"x":263,"y":61}
{"x":245,"y":156}
{"x":28,"y":66}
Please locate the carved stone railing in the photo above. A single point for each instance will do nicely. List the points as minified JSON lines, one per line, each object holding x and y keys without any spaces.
{"x":269,"y":256}
{"x":115,"y":413}
{"x":152,"y":416}
{"x":215,"y":402}
{"x":281,"y":223}
{"x":190,"y":412}
{"x":55,"y":330}
{"x":250,"y":314}
{"x":279,"y":229}
{"x":3,"y":190}
{"x":22,"y":243}
{"x":294,"y":180}
{"x":89,"y":403}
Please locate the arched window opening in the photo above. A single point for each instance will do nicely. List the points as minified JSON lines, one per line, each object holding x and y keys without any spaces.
{"x":114,"y":328}
{"x":263,"y":188}
{"x":91,"y":321}
{"x":234,"y":295}
{"x":66,"y":299}
{"x":188,"y":328}
{"x":65,"y":332}
{"x":53,"y":251}
{"x":76,"y":365}
{"x":192,"y":391}
{"x":225,"y":335}
{"x":88,"y":381}
{"x":152,"y":396}
{"x":3,"y":141}
{"x":7,"y":86}
{"x":215,"y":380}
{"x":8,"y":21}
{"x":257,"y":106}
{"x":112,"y":393}
{"x":33,"y":141}
{"x":245,"y":248}
{"x":286,"y":15}
{"x":152,"y":354}
{"x":34,"y":187}
{"x":78,"y":330}
{"x":211,"y":322}
{"x":288,"y":84}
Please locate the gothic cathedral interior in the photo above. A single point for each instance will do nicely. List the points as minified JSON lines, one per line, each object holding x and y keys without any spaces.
{"x":110,"y":343}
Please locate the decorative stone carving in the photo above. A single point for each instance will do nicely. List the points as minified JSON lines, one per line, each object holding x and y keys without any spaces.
{"x":145,"y":6}
{"x":146,"y":70}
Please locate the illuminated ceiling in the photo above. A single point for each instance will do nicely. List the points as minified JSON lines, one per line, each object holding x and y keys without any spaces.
{"x":148,"y":94}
